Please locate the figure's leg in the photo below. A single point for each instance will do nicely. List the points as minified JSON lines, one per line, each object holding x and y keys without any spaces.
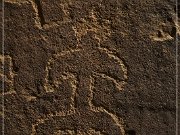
{"x":55,"y":124}
{"x":104,"y":122}
{"x":84,"y":93}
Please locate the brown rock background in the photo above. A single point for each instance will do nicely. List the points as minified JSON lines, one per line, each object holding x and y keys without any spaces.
{"x":99,"y":67}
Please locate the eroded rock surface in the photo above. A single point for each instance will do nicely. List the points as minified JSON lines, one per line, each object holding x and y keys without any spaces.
{"x":80,"y":67}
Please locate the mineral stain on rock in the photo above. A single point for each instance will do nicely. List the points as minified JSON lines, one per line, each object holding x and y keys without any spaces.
{"x":80,"y":67}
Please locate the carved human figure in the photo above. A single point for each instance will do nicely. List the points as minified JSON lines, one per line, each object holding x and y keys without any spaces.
{"x":83,"y":66}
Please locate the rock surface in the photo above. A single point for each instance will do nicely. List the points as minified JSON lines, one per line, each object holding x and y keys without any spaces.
{"x":89,"y":67}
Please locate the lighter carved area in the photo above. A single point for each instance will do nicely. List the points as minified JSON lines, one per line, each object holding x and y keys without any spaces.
{"x":166,"y":31}
{"x":161,"y":36}
{"x":101,"y":30}
{"x":73,"y":132}
{"x":70,"y":66}
{"x":7,"y":75}
{"x":65,"y":132}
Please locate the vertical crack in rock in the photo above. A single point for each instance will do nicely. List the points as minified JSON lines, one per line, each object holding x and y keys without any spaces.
{"x":40,"y":12}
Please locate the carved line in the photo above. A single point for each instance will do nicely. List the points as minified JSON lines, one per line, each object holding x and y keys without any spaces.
{"x":40,"y":12}
{"x":102,"y":31}
{"x":92,"y":107}
{"x":119,"y":84}
{"x":102,"y":109}
{"x":47,"y":86}
{"x":112,"y":55}
{"x":9,"y":78}
{"x":39,"y":20}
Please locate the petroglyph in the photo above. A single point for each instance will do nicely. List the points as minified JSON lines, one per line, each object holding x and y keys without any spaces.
{"x":67,"y":83}
{"x":79,"y":67}
{"x":44,"y":17}
{"x":52,"y":83}
{"x":7,"y":75}
{"x":101,"y":30}
{"x":19,"y":2}
{"x":70,"y":79}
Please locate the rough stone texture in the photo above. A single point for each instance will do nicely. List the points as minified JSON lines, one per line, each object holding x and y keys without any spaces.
{"x":89,"y":67}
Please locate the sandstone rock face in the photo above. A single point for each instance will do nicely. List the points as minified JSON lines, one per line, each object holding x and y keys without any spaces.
{"x":81,"y":67}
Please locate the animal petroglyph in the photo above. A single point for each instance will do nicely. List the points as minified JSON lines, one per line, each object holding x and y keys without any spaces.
{"x":80,"y":68}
